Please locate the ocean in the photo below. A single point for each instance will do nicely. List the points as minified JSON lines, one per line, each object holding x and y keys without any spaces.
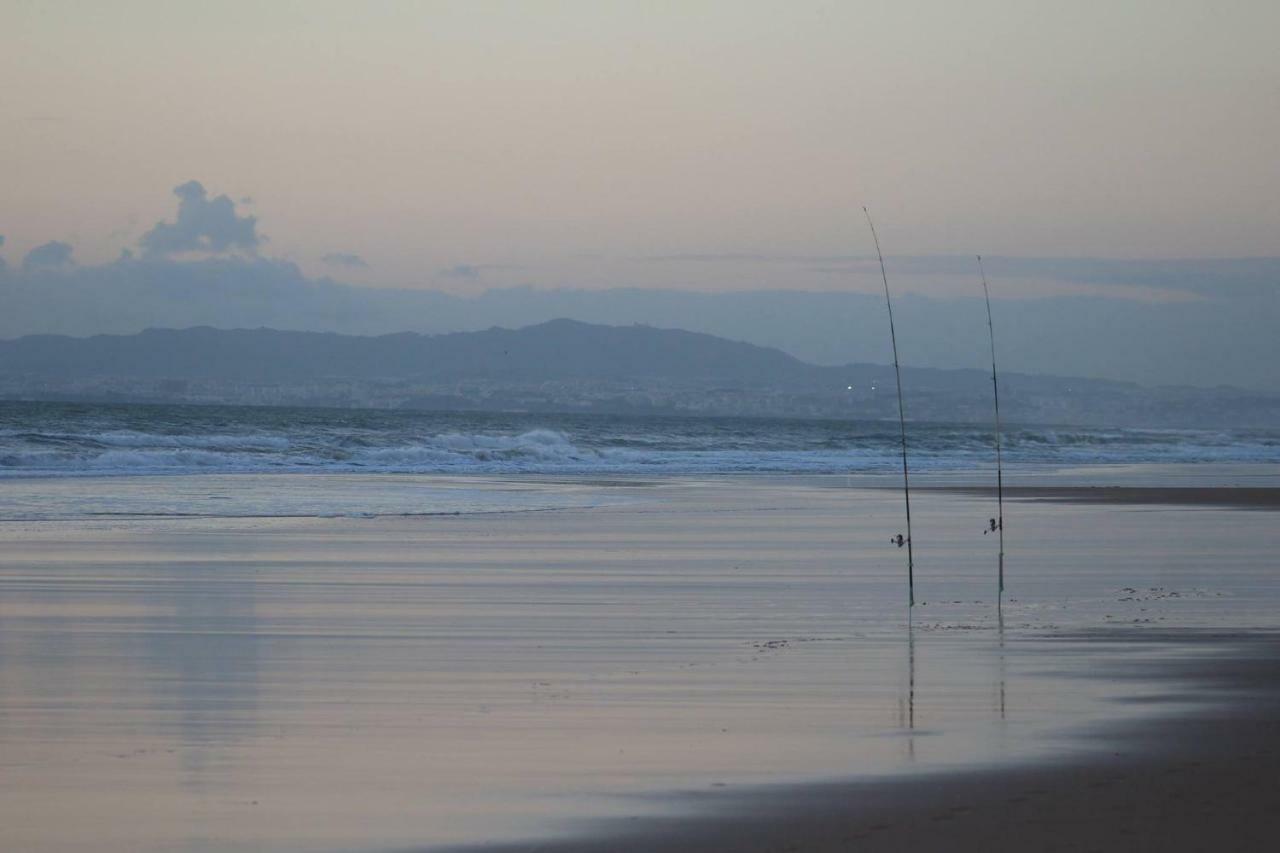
{"x":68,"y":461}
{"x":52,"y":439}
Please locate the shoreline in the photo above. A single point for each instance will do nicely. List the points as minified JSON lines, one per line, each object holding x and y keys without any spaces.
{"x":1196,"y":780}
{"x":1237,"y":497}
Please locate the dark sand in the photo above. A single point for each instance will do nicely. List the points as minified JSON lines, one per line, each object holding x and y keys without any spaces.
{"x":1242,"y":498}
{"x":1206,"y":780}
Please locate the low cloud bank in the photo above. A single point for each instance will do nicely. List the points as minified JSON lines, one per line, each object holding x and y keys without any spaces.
{"x":1178,"y":342}
{"x":52,"y":255}
{"x":345,"y":259}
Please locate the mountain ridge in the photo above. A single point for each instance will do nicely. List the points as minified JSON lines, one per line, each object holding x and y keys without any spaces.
{"x":569,"y":364}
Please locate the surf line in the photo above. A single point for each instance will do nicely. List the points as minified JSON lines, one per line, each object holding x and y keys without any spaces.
{"x":902,"y":418}
{"x":998,"y":522}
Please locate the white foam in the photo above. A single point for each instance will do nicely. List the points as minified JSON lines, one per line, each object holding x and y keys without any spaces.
{"x":68,"y":448}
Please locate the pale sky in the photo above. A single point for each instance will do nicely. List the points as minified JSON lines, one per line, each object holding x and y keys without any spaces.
{"x":568,"y":143}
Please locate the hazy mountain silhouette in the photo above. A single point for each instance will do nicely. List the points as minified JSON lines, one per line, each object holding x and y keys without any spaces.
{"x":556,"y":349}
{"x":591,"y":367}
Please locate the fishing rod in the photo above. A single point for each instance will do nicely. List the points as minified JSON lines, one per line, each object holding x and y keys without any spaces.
{"x":902,"y":417}
{"x":995,"y":392}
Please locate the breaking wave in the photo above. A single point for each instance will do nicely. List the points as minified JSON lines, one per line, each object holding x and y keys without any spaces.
{"x":50,"y":440}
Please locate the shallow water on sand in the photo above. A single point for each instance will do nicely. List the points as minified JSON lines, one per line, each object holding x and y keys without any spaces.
{"x":242,"y":683}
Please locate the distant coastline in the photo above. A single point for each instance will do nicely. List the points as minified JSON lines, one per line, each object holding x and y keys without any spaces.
{"x":565,"y":366}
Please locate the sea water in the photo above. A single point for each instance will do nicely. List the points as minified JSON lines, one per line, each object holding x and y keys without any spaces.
{"x":59,"y":440}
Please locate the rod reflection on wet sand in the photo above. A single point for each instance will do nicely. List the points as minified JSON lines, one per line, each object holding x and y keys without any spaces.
{"x":907,"y":702}
{"x":986,"y":655}
{"x":1000,"y":660}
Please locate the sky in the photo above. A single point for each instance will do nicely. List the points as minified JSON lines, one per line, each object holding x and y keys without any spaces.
{"x":460,"y":146}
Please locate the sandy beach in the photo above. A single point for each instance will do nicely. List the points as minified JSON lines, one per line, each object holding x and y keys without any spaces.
{"x":1201,"y":780}
{"x":1242,"y":497}
{"x":632,"y":663}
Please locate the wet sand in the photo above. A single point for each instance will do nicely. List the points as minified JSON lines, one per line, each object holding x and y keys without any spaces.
{"x":1196,"y":781}
{"x":673,"y":664}
{"x":1240,"y":498}
{"x":1199,"y":780}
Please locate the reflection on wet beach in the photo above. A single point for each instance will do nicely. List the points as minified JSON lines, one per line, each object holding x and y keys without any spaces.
{"x":201,"y":648}
{"x":334,"y":684}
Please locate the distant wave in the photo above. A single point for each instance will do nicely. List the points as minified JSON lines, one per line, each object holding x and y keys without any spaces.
{"x":49,"y":441}
{"x":138,"y":452}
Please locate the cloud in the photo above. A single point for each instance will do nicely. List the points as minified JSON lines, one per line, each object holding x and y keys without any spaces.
{"x":472,"y":272}
{"x":345,"y":259}
{"x":51,"y":255}
{"x":1190,"y":274}
{"x":466,"y":272}
{"x":204,"y":225}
